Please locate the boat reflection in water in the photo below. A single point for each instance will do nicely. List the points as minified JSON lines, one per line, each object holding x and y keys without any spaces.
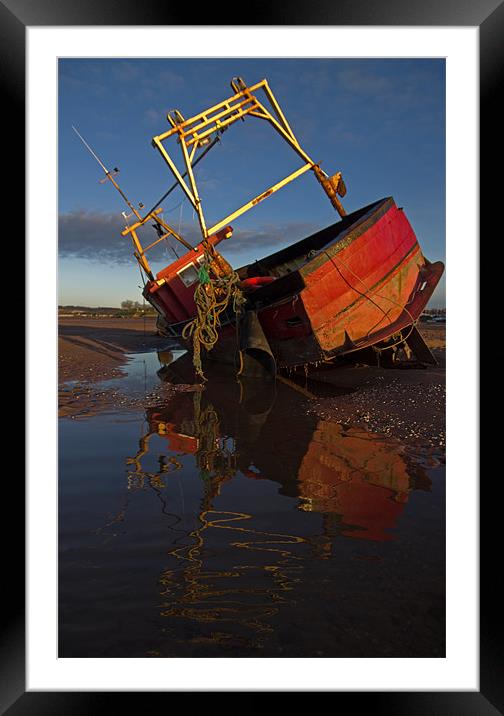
{"x":239,"y":562}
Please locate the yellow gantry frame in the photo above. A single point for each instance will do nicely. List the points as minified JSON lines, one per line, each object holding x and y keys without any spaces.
{"x":140,"y":251}
{"x":196,"y":132}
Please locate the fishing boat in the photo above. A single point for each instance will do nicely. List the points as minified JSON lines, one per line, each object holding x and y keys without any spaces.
{"x":360,"y":284}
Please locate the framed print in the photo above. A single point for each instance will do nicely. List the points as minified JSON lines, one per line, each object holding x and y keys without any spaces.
{"x":47,"y":664}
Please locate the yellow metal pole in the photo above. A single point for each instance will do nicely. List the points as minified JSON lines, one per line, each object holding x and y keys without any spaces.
{"x":291,"y":140}
{"x":271,"y":97}
{"x":176,"y":173}
{"x":137,"y":214}
{"x":194,"y":188}
{"x":260,"y":198}
{"x":175,"y":235}
{"x":140,"y":255}
{"x":193,"y":152}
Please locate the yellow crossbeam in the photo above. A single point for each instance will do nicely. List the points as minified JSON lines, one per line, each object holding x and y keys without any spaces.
{"x":218,"y":125}
{"x":236,"y":111}
{"x":129,"y":229}
{"x":215,"y":108}
{"x":260,"y":198}
{"x":154,"y":243}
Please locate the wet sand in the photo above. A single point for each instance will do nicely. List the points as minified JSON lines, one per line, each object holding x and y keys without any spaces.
{"x":406,"y":403}
{"x":91,"y":350}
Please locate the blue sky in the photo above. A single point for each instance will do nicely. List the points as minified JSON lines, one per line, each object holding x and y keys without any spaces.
{"x":380,"y":122}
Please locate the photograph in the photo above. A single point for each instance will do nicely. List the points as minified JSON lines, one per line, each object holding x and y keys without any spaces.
{"x":251,"y":357}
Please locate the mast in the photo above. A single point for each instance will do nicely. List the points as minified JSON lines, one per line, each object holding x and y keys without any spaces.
{"x":164,"y":230}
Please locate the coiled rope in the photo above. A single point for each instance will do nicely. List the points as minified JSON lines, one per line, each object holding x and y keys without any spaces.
{"x":218,"y":286}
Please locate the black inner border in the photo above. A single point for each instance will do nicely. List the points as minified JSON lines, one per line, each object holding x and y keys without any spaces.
{"x":15,"y":16}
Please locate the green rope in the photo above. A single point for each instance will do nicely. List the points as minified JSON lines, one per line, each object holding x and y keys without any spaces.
{"x":203,"y":275}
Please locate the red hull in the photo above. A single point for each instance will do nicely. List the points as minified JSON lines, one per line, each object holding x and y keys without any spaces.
{"x":350,"y":286}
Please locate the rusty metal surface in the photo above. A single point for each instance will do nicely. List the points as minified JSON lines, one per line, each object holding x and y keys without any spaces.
{"x":367,"y":285}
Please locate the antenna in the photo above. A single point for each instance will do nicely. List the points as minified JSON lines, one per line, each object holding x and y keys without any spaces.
{"x":108,"y":175}
{"x":90,"y":150}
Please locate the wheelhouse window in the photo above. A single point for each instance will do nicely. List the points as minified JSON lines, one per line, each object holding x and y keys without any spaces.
{"x":188,"y":275}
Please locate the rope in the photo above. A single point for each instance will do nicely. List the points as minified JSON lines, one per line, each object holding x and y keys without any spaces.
{"x":141,"y":275}
{"x":218,"y":286}
{"x":181,"y":205}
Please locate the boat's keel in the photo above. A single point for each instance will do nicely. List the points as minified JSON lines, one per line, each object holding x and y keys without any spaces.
{"x":417,"y":345}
